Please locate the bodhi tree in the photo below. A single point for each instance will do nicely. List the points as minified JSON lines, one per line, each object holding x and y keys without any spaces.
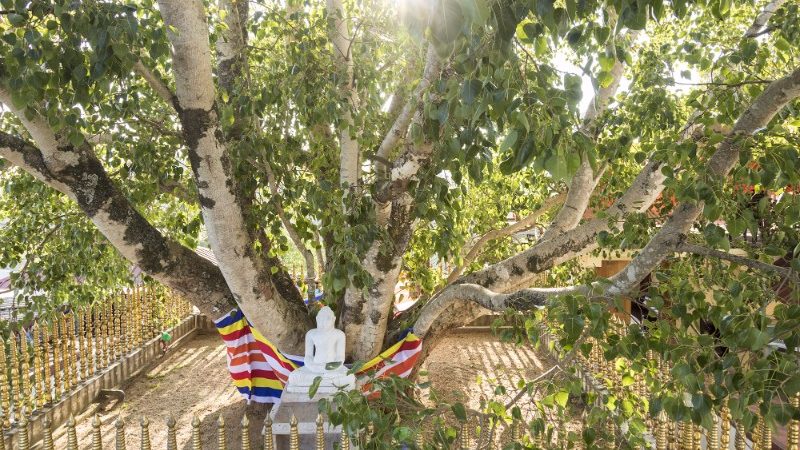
{"x":376,"y":135}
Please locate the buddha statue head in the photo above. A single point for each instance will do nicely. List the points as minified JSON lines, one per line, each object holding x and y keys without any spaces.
{"x":326,"y":320}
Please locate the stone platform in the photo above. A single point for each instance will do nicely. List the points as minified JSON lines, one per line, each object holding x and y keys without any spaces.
{"x":305,"y":410}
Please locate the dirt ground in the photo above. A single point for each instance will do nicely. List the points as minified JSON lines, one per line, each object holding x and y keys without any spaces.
{"x":193,"y":380}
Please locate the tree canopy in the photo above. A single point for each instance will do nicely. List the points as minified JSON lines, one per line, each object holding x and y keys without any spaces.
{"x":375,"y":136}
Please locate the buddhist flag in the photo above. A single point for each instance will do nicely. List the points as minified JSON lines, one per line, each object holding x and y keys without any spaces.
{"x":260,"y":371}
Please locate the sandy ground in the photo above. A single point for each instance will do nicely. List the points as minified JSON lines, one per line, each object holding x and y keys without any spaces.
{"x":193,"y":380}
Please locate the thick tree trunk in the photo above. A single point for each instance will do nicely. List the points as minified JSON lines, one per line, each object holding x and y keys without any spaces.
{"x":367,"y":313}
{"x":230,"y":236}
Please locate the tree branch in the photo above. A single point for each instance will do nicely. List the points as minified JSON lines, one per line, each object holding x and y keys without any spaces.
{"x":232,"y":44}
{"x":584,"y":182}
{"x":311,"y":271}
{"x":762,"y":19}
{"x":673,"y":233}
{"x":522,"y":300}
{"x":700,"y":250}
{"x":158,"y":85}
{"x":350,"y":157}
{"x":521,"y":225}
{"x":403,"y":120}
{"x":77,"y":173}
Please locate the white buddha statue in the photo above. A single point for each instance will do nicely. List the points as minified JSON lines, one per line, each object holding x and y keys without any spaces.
{"x":324,"y":357}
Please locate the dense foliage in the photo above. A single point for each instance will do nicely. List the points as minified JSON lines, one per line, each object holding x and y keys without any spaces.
{"x":671,"y":127}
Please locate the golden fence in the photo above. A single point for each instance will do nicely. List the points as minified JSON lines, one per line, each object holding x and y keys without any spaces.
{"x":668,"y":436}
{"x":48,"y":360}
{"x":465,"y":439}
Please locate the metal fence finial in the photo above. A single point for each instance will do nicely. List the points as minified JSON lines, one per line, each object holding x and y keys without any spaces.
{"x":196,"y":438}
{"x":145,"y":424}
{"x":221,"y":441}
{"x":245,"y":425}
{"x":97,"y":434}
{"x":294,"y":437}
{"x":120,"y":434}
{"x":172,"y":440}
{"x":47,"y":429}
{"x":320,"y":432}
{"x":23,"y":441}
{"x":269,"y":441}
{"x":72,"y":437}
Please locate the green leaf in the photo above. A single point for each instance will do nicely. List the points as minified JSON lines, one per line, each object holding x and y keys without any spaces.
{"x":470,"y":90}
{"x":601,"y":34}
{"x":459,"y":411}
{"x":312,"y":390}
{"x":627,"y":380}
{"x":509,"y":141}
{"x":606,"y":62}
{"x":339,"y":284}
{"x":561,"y":398}
{"x":16,"y":20}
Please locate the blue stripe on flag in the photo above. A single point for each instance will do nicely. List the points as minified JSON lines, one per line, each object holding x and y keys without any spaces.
{"x":234,"y":316}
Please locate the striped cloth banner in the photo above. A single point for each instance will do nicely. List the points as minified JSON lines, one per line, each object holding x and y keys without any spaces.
{"x":260,"y":371}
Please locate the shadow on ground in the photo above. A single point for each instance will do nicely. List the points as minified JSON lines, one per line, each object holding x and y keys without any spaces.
{"x":192,"y":380}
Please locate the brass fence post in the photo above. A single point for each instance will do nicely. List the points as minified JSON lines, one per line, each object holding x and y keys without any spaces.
{"x":344,"y":440}
{"x":38,"y":378}
{"x":222,"y":443}
{"x":294,"y":438}
{"x":196,"y":438}
{"x":73,"y":375}
{"x":516,"y":429}
{"x":15,"y":382}
{"x":145,"y":423}
{"x":172,"y":440}
{"x":724,"y":428}
{"x":741,"y":439}
{"x":118,"y":351}
{"x":712,"y":437}
{"x":97,"y":434}
{"x":2,"y":434}
{"x":793,"y":432}
{"x":25,"y":374}
{"x":661,"y":431}
{"x":759,"y":432}
{"x":686,"y":435}
{"x":102,"y":330}
{"x":84,"y":331}
{"x":419,"y":440}
{"x":66,"y":383}
{"x":23,"y":438}
{"x":466,"y":442}
{"x":269,"y":441}
{"x":766,"y":437}
{"x":109,"y":337}
{"x":79,"y":346}
{"x":120,"y":433}
{"x":48,"y":386}
{"x":72,"y":437}
{"x":47,"y":428}
{"x":58,"y":371}
{"x":95,"y":335}
{"x":245,"y":432}
{"x":4,"y":387}
{"x":320,"y":433}
{"x":91,"y":337}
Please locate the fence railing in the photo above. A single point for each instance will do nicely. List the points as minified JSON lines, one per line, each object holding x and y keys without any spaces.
{"x":47,"y":360}
{"x":466,"y":439}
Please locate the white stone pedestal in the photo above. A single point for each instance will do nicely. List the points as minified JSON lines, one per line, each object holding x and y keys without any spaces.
{"x":305,"y":410}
